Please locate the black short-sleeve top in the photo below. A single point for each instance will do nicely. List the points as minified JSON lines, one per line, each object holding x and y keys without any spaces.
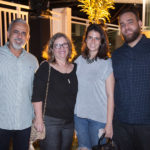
{"x":62,"y":91}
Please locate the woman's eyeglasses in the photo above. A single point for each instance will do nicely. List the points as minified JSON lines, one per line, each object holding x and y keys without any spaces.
{"x":58,"y":46}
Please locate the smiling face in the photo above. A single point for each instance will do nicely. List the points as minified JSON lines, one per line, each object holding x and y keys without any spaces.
{"x":130,"y":27}
{"x":61,"y":49}
{"x":93,"y":41}
{"x":18,"y":36}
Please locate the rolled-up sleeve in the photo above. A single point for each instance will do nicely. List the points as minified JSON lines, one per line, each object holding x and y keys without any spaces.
{"x":108,"y":68}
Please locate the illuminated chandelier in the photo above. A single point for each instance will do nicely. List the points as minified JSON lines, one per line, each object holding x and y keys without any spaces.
{"x":97,"y":10}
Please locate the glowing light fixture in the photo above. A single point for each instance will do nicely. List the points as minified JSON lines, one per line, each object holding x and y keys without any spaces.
{"x":97,"y":10}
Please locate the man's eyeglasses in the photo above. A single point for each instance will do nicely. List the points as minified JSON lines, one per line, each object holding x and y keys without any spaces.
{"x":58,"y":46}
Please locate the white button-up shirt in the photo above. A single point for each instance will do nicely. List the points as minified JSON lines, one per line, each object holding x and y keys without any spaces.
{"x":16,"y":79}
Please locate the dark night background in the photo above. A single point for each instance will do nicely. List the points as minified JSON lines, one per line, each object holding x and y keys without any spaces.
{"x":40,"y":31}
{"x":39,"y":5}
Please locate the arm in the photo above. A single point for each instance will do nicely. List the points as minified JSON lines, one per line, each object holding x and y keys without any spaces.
{"x":38,"y":94}
{"x":110,"y":105}
{"x":38,"y":120}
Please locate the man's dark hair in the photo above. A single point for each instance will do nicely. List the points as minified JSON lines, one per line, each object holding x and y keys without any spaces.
{"x":131,"y":10}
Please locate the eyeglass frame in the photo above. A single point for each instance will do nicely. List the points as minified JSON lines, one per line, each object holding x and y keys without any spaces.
{"x":58,"y":46}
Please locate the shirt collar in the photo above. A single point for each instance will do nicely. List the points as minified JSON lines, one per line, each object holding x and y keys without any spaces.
{"x":141,"y":40}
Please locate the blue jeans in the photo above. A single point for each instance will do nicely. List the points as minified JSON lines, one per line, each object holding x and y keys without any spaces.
{"x":87,"y":131}
{"x":59,"y":134}
{"x":20,"y":139}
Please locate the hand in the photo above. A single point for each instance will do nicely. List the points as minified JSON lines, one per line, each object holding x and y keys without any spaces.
{"x":38,"y":124}
{"x":108,"y":131}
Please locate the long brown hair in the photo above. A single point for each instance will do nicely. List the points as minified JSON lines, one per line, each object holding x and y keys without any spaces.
{"x":103,"y":51}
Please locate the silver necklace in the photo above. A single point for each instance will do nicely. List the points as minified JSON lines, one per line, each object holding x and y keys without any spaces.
{"x":68,"y":80}
{"x":89,"y":61}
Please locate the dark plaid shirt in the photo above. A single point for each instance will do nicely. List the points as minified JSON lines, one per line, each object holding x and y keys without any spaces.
{"x":132,"y":89}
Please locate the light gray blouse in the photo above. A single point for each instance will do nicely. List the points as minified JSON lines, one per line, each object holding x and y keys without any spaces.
{"x":91,"y":98}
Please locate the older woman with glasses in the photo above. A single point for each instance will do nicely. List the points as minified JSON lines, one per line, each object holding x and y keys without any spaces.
{"x":61,"y":97}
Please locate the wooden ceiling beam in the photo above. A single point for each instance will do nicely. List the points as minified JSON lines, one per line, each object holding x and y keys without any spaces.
{"x":129,"y":1}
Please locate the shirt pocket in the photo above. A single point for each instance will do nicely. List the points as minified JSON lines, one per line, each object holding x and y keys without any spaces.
{"x":27,"y":74}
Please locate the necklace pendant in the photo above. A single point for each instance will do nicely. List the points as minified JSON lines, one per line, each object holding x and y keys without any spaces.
{"x":89,"y":61}
{"x":69,"y":81}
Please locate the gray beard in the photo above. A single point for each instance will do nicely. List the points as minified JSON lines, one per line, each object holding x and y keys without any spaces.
{"x":17,"y":47}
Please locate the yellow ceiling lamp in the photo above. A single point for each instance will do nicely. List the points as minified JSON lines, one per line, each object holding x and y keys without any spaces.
{"x":97,"y":10}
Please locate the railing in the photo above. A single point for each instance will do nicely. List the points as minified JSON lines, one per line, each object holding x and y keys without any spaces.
{"x":80,"y":24}
{"x":85,"y":22}
{"x":56,"y":17}
{"x":8,"y":12}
